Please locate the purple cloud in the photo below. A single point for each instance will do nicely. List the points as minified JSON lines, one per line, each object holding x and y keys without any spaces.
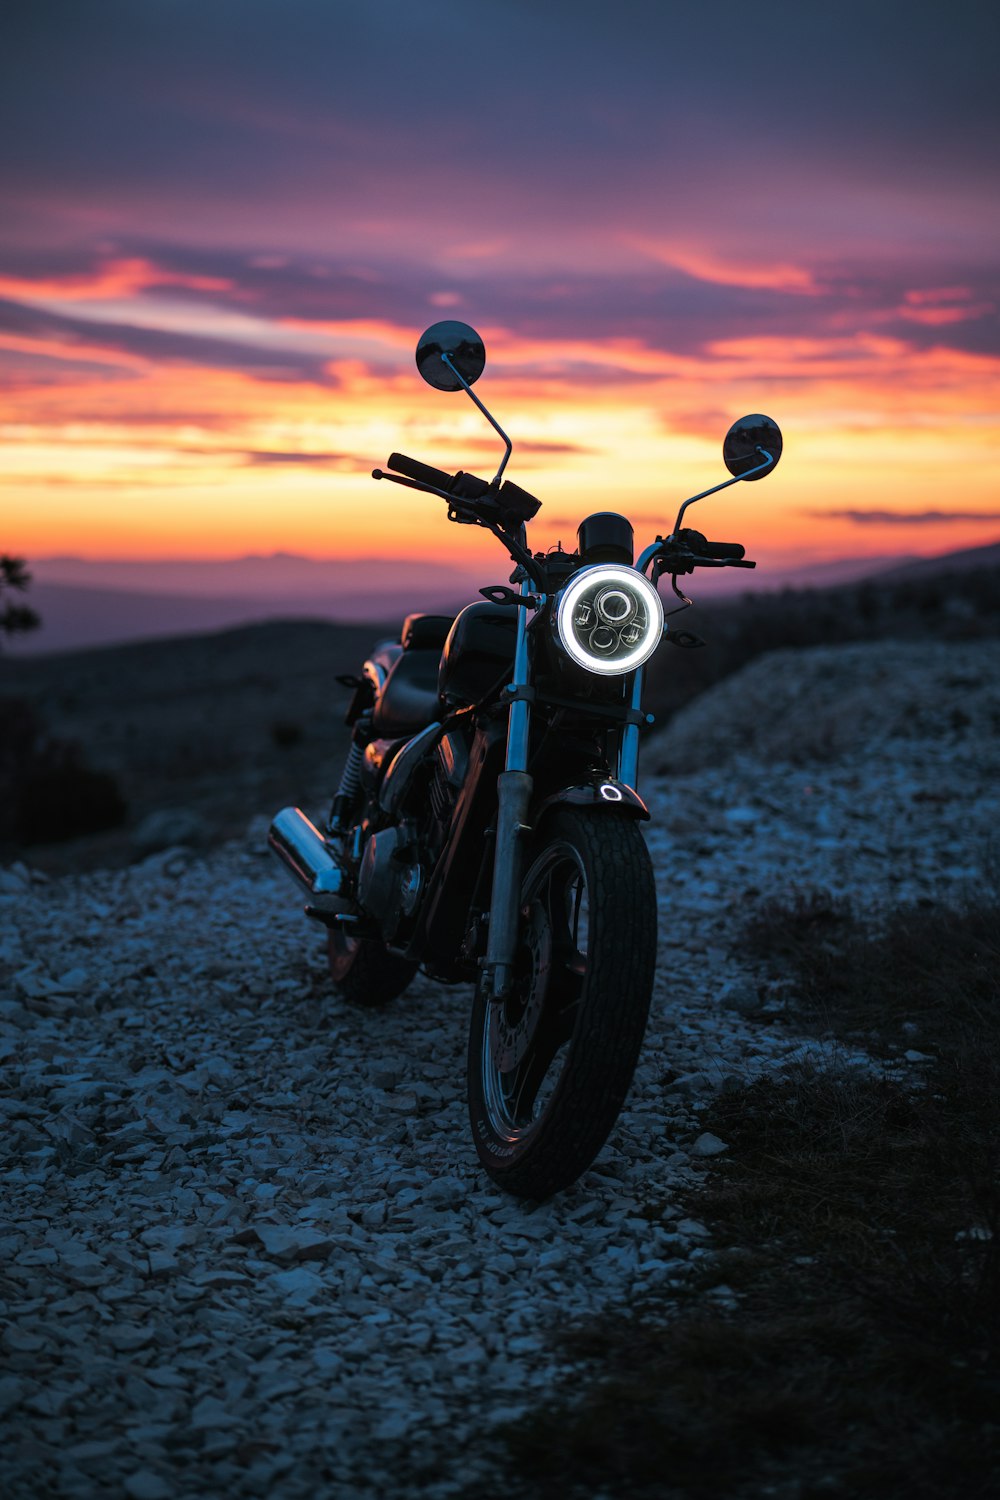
{"x":320,"y":127}
{"x":161,"y":344}
{"x":904,"y":517}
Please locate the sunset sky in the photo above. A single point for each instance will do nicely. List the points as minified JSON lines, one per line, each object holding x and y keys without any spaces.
{"x":224,"y":224}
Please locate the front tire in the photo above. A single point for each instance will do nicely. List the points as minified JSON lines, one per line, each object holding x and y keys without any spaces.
{"x":364,"y":972}
{"x":550,"y":1067}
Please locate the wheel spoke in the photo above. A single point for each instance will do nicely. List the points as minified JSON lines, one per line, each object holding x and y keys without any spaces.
{"x":569,"y":961}
{"x":575,"y":924}
{"x":555,"y":947}
{"x":551,"y":1063}
{"x":529,"y":1075}
{"x":576,"y":962}
{"x":550,"y":900}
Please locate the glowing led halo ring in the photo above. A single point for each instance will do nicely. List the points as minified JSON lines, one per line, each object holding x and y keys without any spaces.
{"x":580,"y":618}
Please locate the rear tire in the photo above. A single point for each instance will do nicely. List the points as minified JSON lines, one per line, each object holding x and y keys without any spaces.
{"x":549,"y":1068}
{"x":364,"y":972}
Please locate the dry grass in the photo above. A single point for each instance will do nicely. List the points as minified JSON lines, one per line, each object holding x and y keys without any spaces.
{"x":858,"y":1212}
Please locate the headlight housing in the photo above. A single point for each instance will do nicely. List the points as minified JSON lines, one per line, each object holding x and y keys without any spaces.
{"x":609,"y":619}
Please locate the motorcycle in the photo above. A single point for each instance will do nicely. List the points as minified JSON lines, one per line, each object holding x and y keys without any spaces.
{"x":486,"y":824}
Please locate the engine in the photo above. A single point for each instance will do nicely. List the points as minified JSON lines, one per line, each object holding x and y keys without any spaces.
{"x":390,"y":877}
{"x":396,"y":859}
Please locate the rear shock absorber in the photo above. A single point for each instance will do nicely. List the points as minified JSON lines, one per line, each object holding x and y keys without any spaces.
{"x":350,"y":780}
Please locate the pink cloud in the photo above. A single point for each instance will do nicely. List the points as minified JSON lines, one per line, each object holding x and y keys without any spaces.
{"x":939,"y":294}
{"x":703,"y":265}
{"x":112,"y":280}
{"x":935,"y":317}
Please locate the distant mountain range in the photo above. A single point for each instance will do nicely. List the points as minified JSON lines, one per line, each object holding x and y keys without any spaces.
{"x":92,"y":603}
{"x":84,"y":603}
{"x":280,"y":576}
{"x":951,"y":562}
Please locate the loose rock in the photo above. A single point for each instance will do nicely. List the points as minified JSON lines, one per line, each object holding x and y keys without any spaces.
{"x":245,"y":1227}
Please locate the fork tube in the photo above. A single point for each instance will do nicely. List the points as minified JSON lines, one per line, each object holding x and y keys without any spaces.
{"x":520,"y":712}
{"x":514,"y":788}
{"x":628,"y":755}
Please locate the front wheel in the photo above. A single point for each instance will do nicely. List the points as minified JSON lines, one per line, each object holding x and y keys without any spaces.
{"x":550,"y":1066}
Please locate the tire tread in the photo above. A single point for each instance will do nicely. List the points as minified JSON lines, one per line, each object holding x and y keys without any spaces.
{"x":613,"y":1010}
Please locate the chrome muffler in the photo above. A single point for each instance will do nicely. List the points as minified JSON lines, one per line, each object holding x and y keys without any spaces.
{"x":301,"y":849}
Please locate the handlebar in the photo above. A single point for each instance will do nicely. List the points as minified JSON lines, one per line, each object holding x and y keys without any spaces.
{"x":688,"y":549}
{"x":724,"y":550}
{"x":422,"y":473}
{"x":686,"y":562}
{"x":467,"y":488}
{"x":472,"y":498}
{"x":692,"y":542}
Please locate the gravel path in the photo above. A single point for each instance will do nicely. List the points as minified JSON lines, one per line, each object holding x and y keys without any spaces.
{"x":246,"y":1244}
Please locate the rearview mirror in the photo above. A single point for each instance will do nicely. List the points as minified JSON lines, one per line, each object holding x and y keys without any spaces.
{"x":464,"y":349}
{"x":746,"y":438}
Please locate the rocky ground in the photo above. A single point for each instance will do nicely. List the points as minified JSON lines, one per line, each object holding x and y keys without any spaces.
{"x":247,"y":1247}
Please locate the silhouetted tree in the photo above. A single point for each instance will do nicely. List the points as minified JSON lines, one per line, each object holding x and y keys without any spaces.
{"x":14,"y":577}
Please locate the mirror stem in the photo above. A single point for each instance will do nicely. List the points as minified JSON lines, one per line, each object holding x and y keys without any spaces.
{"x":467,"y":388}
{"x":768,"y":461}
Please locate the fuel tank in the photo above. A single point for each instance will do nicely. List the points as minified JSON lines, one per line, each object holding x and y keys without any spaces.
{"x":478,"y":652}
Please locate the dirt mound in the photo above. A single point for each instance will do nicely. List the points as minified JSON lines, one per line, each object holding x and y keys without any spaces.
{"x":820,"y":704}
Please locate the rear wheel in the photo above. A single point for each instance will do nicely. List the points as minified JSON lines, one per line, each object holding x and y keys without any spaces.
{"x":549,"y":1067}
{"x":364,"y":971}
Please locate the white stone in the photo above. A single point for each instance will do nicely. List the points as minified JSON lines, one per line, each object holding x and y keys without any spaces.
{"x":708,"y":1144}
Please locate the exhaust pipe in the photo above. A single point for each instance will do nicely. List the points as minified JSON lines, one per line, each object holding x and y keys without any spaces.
{"x":302,"y":852}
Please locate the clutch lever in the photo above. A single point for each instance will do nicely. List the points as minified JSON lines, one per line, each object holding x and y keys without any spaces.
{"x":411,"y":484}
{"x":455,"y":506}
{"x":686,"y":562}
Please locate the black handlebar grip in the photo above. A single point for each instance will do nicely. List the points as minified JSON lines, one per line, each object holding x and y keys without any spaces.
{"x":723,"y":549}
{"x":412,"y":468}
{"x":468,"y":487}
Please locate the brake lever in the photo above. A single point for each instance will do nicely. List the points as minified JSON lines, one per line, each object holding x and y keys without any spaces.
{"x":463,"y":512}
{"x":411,"y":484}
{"x":687,"y":562}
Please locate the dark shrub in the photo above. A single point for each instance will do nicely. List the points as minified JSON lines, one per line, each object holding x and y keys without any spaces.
{"x":61,"y":797}
{"x":47,"y":790}
{"x":14,"y":618}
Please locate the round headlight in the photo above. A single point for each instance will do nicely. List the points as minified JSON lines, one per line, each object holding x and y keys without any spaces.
{"x":609,"y":619}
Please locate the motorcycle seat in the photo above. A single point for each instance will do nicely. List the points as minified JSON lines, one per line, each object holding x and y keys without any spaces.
{"x":409,"y":700}
{"x":425,"y":632}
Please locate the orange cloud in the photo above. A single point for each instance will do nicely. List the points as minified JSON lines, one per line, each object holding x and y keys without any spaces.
{"x":778,"y":276}
{"x":379,"y":331}
{"x":115,"y":279}
{"x":53,"y":349}
{"x":157,"y":459}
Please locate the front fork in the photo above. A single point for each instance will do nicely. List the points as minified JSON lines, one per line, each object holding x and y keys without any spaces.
{"x":514,"y":789}
{"x":628,"y":755}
